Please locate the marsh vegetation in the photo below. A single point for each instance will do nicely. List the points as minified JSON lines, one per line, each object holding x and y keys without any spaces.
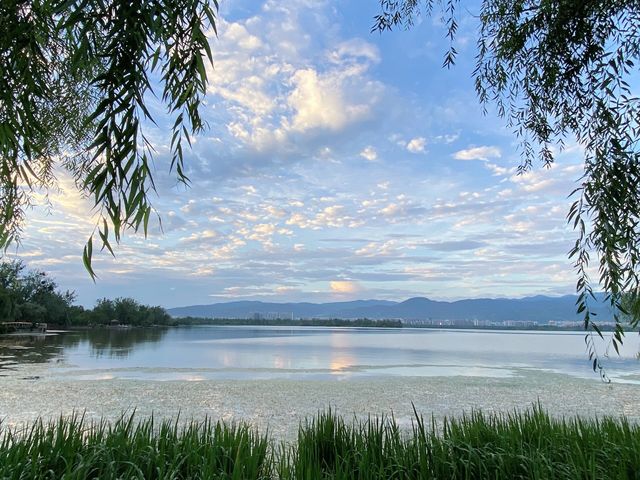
{"x":529,"y":444}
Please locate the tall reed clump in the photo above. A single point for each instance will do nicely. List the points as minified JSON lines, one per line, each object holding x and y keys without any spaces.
{"x":71,"y":448}
{"x":328,"y":447}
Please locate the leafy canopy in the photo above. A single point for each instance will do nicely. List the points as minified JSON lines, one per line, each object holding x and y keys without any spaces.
{"x":74,"y":92}
{"x":31,"y":296}
{"x":561,"y":70}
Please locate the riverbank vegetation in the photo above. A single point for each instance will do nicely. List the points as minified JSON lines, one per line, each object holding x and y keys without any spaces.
{"x":33,"y":296}
{"x":530,"y":444}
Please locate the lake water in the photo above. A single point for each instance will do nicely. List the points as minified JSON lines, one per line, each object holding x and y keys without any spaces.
{"x":276,"y":376}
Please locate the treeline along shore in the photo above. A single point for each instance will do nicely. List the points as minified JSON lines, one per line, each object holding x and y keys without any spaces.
{"x":32,"y":296}
{"x":286,"y":322}
{"x":365,"y":323}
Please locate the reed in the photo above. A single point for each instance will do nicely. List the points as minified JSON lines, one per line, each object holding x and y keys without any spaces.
{"x":71,"y":448}
{"x":526,"y":445}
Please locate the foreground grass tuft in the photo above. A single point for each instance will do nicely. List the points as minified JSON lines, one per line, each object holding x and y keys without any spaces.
{"x":528,"y":445}
{"x":70,"y":448}
{"x":524,"y":445}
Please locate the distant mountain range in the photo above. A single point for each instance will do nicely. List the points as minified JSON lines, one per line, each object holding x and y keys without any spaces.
{"x":539,"y":308}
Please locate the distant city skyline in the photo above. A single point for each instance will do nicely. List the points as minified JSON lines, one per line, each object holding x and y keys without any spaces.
{"x":339,"y":165}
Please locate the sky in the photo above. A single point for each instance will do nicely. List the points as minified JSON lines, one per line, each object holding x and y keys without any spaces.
{"x":339,"y":164}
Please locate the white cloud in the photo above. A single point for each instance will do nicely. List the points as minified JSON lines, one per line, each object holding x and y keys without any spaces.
{"x":369,"y":153}
{"x":249,"y":189}
{"x":478,"y":153}
{"x":391,"y":210}
{"x":354,"y":50}
{"x":333,"y":216}
{"x":447,"y":138}
{"x":330,"y":100}
{"x":270,"y":92}
{"x":275,"y":212}
{"x":379,"y":249}
{"x":416,"y":145}
{"x":343,"y":286}
{"x":557,"y":179}
{"x":238,"y":34}
{"x":497,"y":170}
{"x":198,"y":237}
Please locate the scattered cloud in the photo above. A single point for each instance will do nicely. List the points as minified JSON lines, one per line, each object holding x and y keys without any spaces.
{"x":454,"y":246}
{"x":343,"y":286}
{"x":199,"y":237}
{"x":417,"y":145}
{"x":478,"y":153}
{"x":330,"y":100}
{"x":369,"y":153}
{"x":447,"y":138}
{"x":354,"y":50}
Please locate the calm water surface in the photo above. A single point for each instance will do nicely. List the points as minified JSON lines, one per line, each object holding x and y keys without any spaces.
{"x":275,"y":375}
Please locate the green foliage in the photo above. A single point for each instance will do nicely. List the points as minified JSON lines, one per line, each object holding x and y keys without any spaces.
{"x":31,"y":296}
{"x":558,"y":71}
{"x":126,"y":311}
{"x":523,"y":445}
{"x":313,"y":322}
{"x":520,"y":445}
{"x":630,"y":309}
{"x":72,"y":448}
{"x":74,"y":86}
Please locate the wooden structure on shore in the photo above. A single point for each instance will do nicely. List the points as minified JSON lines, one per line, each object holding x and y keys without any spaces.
{"x":23,"y":327}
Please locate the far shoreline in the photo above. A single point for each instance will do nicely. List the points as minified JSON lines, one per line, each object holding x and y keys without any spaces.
{"x":366,"y":323}
{"x":326,"y":323}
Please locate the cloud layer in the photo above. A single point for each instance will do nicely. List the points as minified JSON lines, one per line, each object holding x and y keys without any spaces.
{"x":336,"y":167}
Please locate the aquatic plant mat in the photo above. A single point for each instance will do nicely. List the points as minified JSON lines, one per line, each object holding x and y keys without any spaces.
{"x":530,"y":444}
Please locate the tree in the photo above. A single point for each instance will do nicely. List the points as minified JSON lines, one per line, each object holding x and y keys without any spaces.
{"x":74,"y":84}
{"x":631,"y":309}
{"x":31,"y":296}
{"x":9,"y":272}
{"x":126,"y":311}
{"x":103,"y":312}
{"x":559,"y":70}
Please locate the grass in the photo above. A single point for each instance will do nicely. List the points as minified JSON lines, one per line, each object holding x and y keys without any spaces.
{"x":71,"y":449}
{"x":529,"y":444}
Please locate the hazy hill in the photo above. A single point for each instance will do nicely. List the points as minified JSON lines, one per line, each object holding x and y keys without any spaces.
{"x":246,"y":309}
{"x":539,"y":308}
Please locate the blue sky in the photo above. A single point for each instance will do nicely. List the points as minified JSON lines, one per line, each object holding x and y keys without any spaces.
{"x":339,"y":164}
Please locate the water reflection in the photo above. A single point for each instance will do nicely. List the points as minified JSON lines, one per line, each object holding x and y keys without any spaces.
{"x":340,"y":358}
{"x":120,"y":343}
{"x":52,"y":348}
{"x":19,"y":349}
{"x":340,"y":362}
{"x":207,"y":352}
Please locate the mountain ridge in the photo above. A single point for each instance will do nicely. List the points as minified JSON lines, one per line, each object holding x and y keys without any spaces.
{"x":538,"y":308}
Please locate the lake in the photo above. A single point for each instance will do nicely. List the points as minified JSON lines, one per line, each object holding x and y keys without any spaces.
{"x":276,"y":376}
